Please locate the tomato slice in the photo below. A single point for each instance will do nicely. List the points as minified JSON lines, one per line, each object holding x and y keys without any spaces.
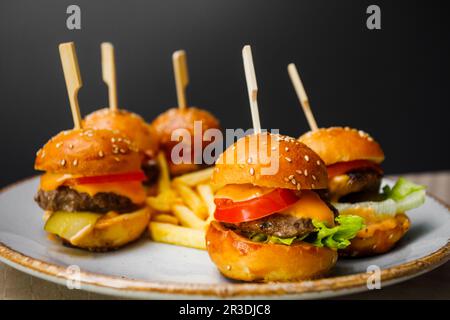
{"x":339,"y":168}
{"x":230,"y":211}
{"x":119,"y":177}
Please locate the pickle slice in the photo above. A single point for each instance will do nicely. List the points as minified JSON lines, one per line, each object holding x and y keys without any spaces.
{"x":69,"y":224}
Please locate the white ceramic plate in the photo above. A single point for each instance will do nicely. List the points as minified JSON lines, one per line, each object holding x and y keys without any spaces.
{"x":148,"y":269}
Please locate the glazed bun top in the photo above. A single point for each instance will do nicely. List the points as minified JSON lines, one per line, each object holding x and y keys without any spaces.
{"x":88,"y":152}
{"x":338,"y":144}
{"x":129,"y":124}
{"x":273,"y":161}
{"x":176,"y":118}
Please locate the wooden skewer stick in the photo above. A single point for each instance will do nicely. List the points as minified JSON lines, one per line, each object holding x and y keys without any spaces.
{"x":181,"y":76}
{"x":109,"y":73}
{"x":302,"y":97}
{"x":252,"y":87}
{"x":73,"y":78}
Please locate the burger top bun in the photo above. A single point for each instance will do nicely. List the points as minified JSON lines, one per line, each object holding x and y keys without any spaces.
{"x":88,"y":152}
{"x":127,"y":123}
{"x":273,"y":161}
{"x":176,"y":118}
{"x":338,"y":144}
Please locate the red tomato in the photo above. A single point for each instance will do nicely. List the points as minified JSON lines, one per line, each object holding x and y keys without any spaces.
{"x":119,"y":177}
{"x":240,"y":211}
{"x":339,"y":168}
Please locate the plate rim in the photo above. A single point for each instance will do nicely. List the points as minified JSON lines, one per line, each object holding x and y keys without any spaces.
{"x":103,"y":283}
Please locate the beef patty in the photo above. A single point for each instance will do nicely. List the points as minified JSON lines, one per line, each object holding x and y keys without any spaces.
{"x":354,"y":182}
{"x":279,"y":225}
{"x":67,"y":199}
{"x":151,"y":170}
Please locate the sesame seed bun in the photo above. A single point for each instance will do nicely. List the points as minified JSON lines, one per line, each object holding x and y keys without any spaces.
{"x":88,"y":152}
{"x":380,"y":238}
{"x":248,"y":161}
{"x":337,"y":144}
{"x":176,"y":118}
{"x":239,"y":258}
{"x":127,"y":123}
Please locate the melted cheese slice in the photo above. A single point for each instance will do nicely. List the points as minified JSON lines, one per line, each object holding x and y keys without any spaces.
{"x":373,"y":221}
{"x":131,"y":189}
{"x":311,"y":206}
{"x":242,"y":192}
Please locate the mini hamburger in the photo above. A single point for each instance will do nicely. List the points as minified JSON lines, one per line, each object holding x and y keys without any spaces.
{"x":276,"y":226}
{"x":353,"y":160}
{"x":92,"y":189}
{"x":183,"y":118}
{"x":135,"y":129}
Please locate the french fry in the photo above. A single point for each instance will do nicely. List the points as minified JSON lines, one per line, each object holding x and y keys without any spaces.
{"x":164,"y":175}
{"x":188,"y":218}
{"x":194,"y":178}
{"x":165,"y":218}
{"x":206,"y":194}
{"x":181,"y":236}
{"x":192,"y":200}
{"x":164,"y":201}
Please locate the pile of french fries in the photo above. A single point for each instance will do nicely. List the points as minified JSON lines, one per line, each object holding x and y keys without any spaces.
{"x":182,"y":208}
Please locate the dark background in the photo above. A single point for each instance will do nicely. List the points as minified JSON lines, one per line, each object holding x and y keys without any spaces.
{"x":392,"y":83}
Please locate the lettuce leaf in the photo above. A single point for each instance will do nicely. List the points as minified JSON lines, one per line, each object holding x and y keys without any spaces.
{"x":403,"y":196}
{"x":338,"y":237}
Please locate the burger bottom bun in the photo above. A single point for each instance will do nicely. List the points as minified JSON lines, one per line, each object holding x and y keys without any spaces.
{"x":379,"y":241}
{"x":241,"y":259}
{"x":113,"y":231}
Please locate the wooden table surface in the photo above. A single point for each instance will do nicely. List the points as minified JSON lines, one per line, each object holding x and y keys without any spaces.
{"x":433,"y":285}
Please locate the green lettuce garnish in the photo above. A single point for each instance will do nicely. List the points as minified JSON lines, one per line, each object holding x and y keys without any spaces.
{"x":401,"y":189}
{"x":338,"y":237}
{"x":403,"y":196}
{"x":335,"y":238}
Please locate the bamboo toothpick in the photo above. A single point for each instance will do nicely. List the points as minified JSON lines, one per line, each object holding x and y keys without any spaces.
{"x":252,"y":87}
{"x":181,"y":76}
{"x":302,"y":97}
{"x":72,"y":75}
{"x":109,"y":73}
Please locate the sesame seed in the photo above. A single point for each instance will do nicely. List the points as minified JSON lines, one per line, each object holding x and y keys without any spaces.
{"x":314,"y":177}
{"x":305,"y":172}
{"x":374,"y":247}
{"x":361,"y":133}
{"x":318,"y":162}
{"x":294,"y":182}
{"x":63,"y":162}
{"x":117,"y":159}
{"x":119,"y":139}
{"x":306,"y":158}
{"x":113,"y":140}
{"x":288,"y":159}
{"x":59,"y":144}
{"x":122,"y":151}
{"x":291,"y":177}
{"x":312,"y":185}
{"x":299,"y":172}
{"x":369,"y":138}
{"x":75,"y":162}
{"x":286,"y":149}
{"x":70,"y":146}
{"x":127,"y":141}
{"x":228,"y":267}
{"x":252,"y":171}
{"x":286,"y":179}
{"x":249,"y":160}
{"x":101,"y":154}
{"x":298,"y":186}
